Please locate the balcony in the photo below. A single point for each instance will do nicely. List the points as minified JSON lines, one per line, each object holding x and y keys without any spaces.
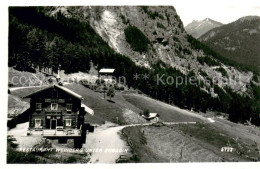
{"x":55,"y":133}
{"x":53,"y":112}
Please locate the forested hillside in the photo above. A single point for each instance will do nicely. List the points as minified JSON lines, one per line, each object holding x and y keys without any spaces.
{"x":47,"y":41}
{"x":238,"y":41}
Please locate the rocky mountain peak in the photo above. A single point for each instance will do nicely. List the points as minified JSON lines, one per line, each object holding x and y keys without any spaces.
{"x":198,"y":28}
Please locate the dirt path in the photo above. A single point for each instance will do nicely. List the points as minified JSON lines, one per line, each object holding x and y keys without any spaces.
{"x":105,"y":143}
{"x":20,"y":134}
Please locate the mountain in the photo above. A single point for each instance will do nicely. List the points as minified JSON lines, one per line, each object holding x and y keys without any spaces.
{"x":238,"y":41}
{"x":166,"y":38}
{"x":198,"y":28}
{"x":149,"y":41}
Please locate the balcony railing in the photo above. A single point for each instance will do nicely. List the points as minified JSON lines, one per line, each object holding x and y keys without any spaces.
{"x":53,"y":112}
{"x":55,"y":132}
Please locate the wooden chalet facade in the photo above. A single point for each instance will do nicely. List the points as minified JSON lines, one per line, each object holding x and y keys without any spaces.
{"x":55,"y":108}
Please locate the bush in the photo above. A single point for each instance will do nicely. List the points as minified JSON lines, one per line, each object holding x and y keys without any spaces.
{"x":209,"y":61}
{"x":111,"y":93}
{"x":255,"y":78}
{"x":71,"y":159}
{"x":159,"y":25}
{"x":187,"y":51}
{"x":146,"y":113}
{"x":20,"y":157}
{"x":202,"y":73}
{"x":125,"y":21}
{"x":222,"y":71}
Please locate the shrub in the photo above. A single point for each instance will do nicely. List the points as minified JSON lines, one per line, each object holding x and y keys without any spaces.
{"x":187,"y":51}
{"x":71,"y":160}
{"x":159,"y":25}
{"x":111,"y":93}
{"x":255,"y":78}
{"x":20,"y":157}
{"x":125,"y":21}
{"x":222,"y":71}
{"x":209,"y":61}
{"x":202,"y":73}
{"x":176,"y":39}
{"x":146,"y":113}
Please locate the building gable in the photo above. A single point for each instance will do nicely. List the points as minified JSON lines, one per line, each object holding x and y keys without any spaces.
{"x":54,"y":91}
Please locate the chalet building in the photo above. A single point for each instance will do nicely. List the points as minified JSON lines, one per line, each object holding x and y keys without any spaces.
{"x":57,"y":112}
{"x":106,"y":72}
{"x":106,"y":75}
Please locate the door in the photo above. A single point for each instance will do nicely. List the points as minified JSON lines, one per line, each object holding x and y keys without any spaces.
{"x":53,"y":123}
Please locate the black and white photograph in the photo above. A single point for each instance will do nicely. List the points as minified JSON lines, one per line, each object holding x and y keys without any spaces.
{"x":153,"y":83}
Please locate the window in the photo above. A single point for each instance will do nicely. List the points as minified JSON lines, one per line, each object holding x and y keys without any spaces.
{"x":61,"y":100}
{"x":47,"y":100}
{"x":68,"y":122}
{"x":38,"y":123}
{"x":54,"y":106}
{"x":38,"y":106}
{"x":69,"y":107}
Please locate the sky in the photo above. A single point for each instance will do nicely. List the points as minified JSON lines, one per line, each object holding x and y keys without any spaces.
{"x":224,"y":11}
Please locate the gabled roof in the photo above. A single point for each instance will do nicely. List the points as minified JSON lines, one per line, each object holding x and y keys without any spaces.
{"x":151,"y":116}
{"x":106,"y":70}
{"x":87,"y":109}
{"x":68,"y":91}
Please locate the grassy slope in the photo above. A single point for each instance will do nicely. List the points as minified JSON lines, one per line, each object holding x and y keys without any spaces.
{"x":20,"y":79}
{"x":187,"y":143}
{"x":210,"y":134}
{"x":143,"y":153}
{"x":104,"y":110}
{"x":16,"y":105}
{"x":166,"y":113}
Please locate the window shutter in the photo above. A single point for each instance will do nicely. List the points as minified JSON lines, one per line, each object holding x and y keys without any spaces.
{"x":64,"y":123}
{"x":73,"y":122}
{"x":41,"y":122}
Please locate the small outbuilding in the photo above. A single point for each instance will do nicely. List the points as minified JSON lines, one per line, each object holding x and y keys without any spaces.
{"x":106,"y":71}
{"x":106,"y":75}
{"x":153,"y":117}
